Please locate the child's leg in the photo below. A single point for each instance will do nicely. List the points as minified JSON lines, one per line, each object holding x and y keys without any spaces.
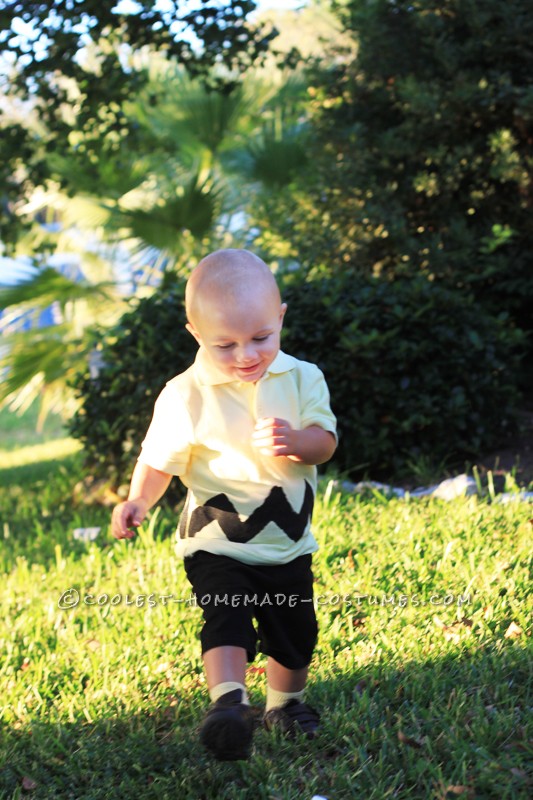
{"x":286,"y":710}
{"x":228,"y":639}
{"x":228,"y":726}
{"x":226,"y":663}
{"x":225,"y":670}
{"x":283,"y":679}
{"x":228,"y":636}
{"x":284,"y":684}
{"x":288,"y":633}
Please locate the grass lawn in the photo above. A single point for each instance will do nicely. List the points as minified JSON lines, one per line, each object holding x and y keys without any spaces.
{"x":423,"y":671}
{"x":17,"y":431}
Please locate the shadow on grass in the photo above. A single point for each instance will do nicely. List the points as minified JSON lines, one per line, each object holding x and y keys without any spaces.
{"x":40,"y":507}
{"x":453,"y":726}
{"x":39,"y":471}
{"x":38,"y":513}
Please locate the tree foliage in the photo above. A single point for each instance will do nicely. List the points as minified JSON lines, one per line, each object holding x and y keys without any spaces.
{"x":74,"y":63}
{"x":415,"y":370}
{"x":47,"y":38}
{"x":38,"y":359}
{"x":423,"y":156}
{"x":152,"y":205}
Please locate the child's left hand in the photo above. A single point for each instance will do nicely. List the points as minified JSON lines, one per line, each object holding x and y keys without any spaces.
{"x":274,"y":437}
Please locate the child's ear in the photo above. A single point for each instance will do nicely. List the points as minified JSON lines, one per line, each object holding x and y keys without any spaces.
{"x":193,"y":332}
{"x":282,"y":312}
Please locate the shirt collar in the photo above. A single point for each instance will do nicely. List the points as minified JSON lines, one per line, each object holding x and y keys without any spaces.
{"x":209,"y":375}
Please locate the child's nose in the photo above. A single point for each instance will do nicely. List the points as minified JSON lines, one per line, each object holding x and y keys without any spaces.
{"x":246,"y":353}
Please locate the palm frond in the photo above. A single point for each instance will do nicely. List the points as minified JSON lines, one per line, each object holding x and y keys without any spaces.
{"x":193,"y":207}
{"x":211,"y":116}
{"x":110,"y":172}
{"x":35,"y":358}
{"x":275,"y":158}
{"x":49,"y":286}
{"x":82,"y":212}
{"x":189,"y":117}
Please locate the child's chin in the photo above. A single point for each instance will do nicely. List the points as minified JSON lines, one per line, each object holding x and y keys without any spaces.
{"x":249,"y":375}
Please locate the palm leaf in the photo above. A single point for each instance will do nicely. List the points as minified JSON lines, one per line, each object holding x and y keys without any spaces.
{"x":111,"y":173}
{"x":275,"y":159}
{"x":48,"y":286}
{"x":38,"y":363}
{"x":39,"y":358}
{"x":194,"y":208}
{"x":189,"y":117}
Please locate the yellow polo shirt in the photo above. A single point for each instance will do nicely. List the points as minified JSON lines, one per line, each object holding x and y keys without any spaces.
{"x":240,"y":503}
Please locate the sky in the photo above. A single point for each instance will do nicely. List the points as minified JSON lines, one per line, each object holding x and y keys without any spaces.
{"x":264,"y":5}
{"x":11,"y":270}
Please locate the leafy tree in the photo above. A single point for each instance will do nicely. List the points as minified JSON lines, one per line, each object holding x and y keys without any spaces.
{"x":39,"y":361}
{"x":75,"y":62}
{"x":159,"y":203}
{"x":146,"y":348}
{"x":423,"y":154}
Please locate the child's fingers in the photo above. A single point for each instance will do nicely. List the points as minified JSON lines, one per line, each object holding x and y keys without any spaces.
{"x":269,"y":422}
{"x":271,"y":436}
{"x":125,"y":516}
{"x":266,"y":437}
{"x":270,"y":444}
{"x":262,"y":441}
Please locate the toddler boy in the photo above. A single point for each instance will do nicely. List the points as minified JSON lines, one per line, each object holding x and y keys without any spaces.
{"x":244,"y":428}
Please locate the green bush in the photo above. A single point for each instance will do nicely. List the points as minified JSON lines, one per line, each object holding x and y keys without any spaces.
{"x":413,"y":369}
{"x":148,"y":347}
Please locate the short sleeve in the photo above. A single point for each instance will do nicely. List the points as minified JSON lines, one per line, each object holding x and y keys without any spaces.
{"x":315,"y":401}
{"x":168,"y":441}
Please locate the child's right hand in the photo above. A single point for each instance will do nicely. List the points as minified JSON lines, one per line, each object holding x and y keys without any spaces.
{"x":127,"y":515}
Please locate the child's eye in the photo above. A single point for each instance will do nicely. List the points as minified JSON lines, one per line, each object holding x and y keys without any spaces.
{"x":224,"y":346}
{"x":261,"y":338}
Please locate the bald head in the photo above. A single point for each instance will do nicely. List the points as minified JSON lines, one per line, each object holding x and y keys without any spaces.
{"x":235,"y":313}
{"x":228,"y":277}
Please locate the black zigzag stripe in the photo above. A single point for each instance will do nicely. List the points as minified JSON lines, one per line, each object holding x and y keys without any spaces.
{"x":275,"y":508}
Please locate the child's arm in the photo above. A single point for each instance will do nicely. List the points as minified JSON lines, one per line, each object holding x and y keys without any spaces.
{"x":276,"y":437}
{"x":147,"y":486}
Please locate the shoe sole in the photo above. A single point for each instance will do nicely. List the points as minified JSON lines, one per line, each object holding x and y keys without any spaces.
{"x":227,"y":736}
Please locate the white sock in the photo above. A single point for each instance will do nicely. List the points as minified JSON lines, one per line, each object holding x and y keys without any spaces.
{"x":277,"y":699}
{"x":228,"y":686}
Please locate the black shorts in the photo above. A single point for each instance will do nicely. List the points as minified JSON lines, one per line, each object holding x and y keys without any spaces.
{"x":280,"y":597}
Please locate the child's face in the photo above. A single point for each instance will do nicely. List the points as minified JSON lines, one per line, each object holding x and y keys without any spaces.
{"x":241,"y":341}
